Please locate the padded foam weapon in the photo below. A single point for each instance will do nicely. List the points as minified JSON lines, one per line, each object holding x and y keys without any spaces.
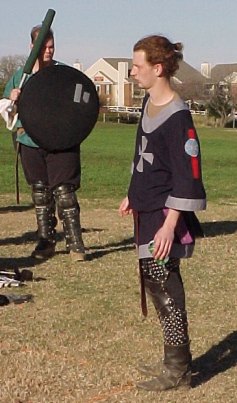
{"x":46,"y":24}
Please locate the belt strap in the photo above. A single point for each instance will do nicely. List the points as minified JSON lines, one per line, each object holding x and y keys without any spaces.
{"x":142,"y":284}
{"x":17,"y":173}
{"x":143,"y":291}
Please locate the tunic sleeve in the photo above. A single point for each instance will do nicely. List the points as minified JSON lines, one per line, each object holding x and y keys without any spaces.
{"x":187,"y":192}
{"x":14,"y":82}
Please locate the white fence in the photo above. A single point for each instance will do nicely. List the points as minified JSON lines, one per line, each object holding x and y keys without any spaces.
{"x":136,"y":109}
{"x":128,"y":109}
{"x":193,"y":112}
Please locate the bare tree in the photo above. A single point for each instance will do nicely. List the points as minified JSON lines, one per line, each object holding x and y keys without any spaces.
{"x":194,"y":91}
{"x":8,"y":65}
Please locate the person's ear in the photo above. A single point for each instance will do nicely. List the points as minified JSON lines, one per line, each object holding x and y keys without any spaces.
{"x":158,"y":69}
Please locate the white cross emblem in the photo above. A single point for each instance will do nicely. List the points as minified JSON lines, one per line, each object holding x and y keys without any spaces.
{"x":144,"y":156}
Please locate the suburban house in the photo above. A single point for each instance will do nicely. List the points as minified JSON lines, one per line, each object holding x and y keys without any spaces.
{"x":111,"y":77}
{"x":112,"y":81}
{"x":225,"y":76}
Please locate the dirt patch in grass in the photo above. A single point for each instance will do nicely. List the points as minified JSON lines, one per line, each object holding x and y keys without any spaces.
{"x":83,"y":337}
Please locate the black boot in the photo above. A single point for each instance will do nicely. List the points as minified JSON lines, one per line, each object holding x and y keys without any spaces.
{"x":175,"y":371}
{"x":46,"y":221}
{"x":69,"y":213}
{"x":153,"y":369}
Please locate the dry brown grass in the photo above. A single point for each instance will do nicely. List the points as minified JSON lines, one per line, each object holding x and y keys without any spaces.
{"x":83,"y":337}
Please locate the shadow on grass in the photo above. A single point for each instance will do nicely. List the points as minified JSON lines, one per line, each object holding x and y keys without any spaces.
{"x":212,"y":229}
{"x":15,"y":209}
{"x":218,"y":359}
{"x":124,"y":246}
{"x":12,"y":263}
{"x":31,"y":236}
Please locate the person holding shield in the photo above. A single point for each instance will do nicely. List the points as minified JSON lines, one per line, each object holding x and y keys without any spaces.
{"x":53,"y":176}
{"x":166,"y":188}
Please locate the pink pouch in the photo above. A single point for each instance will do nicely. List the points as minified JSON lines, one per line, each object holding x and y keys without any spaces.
{"x":181,"y":230}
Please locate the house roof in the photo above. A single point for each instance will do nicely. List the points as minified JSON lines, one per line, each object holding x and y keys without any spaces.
{"x":184,"y":74}
{"x":114,"y":61}
{"x":221,"y":71}
{"x":187,"y":73}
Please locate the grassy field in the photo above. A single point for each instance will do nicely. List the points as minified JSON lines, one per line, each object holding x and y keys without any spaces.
{"x":84,"y":335}
{"x":106,"y":162}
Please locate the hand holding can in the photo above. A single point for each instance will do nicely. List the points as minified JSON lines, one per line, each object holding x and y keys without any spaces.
{"x":160,"y":262}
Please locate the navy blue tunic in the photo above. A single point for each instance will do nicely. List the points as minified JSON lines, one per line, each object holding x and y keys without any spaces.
{"x":167,"y":174}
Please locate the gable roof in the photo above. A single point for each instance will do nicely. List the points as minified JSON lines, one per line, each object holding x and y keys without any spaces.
{"x":221,"y":71}
{"x":186,"y":73}
{"x":115,"y":60}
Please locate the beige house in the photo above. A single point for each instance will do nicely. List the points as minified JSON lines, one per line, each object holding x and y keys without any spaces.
{"x":111,"y":77}
{"x":112,"y":81}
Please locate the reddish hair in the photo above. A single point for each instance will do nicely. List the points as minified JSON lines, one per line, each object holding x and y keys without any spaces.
{"x":159,"y":50}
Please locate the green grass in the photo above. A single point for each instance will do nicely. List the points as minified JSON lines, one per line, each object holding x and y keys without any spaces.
{"x":106,"y":161}
{"x":219,"y":163}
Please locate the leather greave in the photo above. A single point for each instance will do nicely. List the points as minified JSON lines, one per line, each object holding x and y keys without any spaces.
{"x":69,"y":213}
{"x":173,"y":319}
{"x":44,"y":203}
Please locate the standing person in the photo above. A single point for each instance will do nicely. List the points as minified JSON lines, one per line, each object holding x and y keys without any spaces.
{"x":165,"y":189}
{"x":53,"y":176}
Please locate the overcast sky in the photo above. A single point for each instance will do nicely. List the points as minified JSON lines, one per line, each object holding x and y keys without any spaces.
{"x":89,"y":29}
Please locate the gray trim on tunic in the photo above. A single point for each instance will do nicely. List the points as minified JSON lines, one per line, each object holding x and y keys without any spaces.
{"x":150,"y":124}
{"x":185,"y":204}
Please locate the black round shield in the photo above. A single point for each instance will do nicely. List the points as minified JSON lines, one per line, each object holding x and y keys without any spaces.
{"x":58,"y":107}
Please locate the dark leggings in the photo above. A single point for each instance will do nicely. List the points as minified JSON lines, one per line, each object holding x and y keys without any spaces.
{"x":51,"y":168}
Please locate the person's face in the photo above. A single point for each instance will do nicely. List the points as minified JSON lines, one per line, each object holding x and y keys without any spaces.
{"x":47,"y":51}
{"x":142,"y":71}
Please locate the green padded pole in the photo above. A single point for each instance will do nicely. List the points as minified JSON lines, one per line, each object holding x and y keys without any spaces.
{"x":46,"y":24}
